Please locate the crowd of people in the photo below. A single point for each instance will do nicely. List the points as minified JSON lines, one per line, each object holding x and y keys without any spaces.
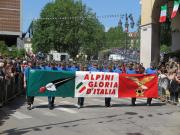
{"x":130,"y":54}
{"x":9,"y":67}
{"x":169,"y":74}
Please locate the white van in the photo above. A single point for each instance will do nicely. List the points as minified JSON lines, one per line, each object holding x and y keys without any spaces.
{"x":56,"y":56}
{"x":115,"y":57}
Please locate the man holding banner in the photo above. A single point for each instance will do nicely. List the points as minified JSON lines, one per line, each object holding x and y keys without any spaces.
{"x":52,"y":98}
{"x":151,"y":71}
{"x":82,"y":84}
{"x":130,"y":70}
{"x":108,"y":99}
{"x":30,"y":99}
{"x":81,"y":99}
{"x":138,"y":86}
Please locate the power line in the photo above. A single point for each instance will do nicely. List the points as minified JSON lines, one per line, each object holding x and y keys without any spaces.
{"x":71,"y":17}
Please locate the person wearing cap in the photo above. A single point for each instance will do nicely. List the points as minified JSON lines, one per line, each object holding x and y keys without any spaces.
{"x":150,"y":71}
{"x":108,"y":99}
{"x":140,"y":70}
{"x":94,"y":68}
{"x":74,"y":67}
{"x":105,"y":68}
{"x":48,"y":67}
{"x":68,"y":67}
{"x":23,"y":66}
{"x":30,"y":99}
{"x":50,"y":98}
{"x":81,"y":99}
{"x":118,"y":69}
{"x":59,"y":67}
{"x":130,"y":70}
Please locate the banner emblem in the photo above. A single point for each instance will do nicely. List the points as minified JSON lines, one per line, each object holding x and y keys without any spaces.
{"x":141,"y":84}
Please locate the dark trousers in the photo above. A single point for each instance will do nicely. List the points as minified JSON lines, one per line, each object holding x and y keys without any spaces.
{"x":174,"y":96}
{"x":51,"y":100}
{"x":133,"y":101}
{"x":81,"y":101}
{"x":149,"y":101}
{"x":30,"y":100}
{"x":107,"y":102}
{"x":174,"y":91}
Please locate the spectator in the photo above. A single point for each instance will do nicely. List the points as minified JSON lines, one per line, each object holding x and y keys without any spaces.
{"x":173,"y":88}
{"x":2,"y":75}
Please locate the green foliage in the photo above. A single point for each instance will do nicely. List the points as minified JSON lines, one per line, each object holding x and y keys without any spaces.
{"x":21,"y":53}
{"x":165,"y":33}
{"x":115,"y":37}
{"x":165,"y":37}
{"x":3,"y":48}
{"x":12,"y":51}
{"x":15,"y":52}
{"x":165,"y":49}
{"x":67,"y":35}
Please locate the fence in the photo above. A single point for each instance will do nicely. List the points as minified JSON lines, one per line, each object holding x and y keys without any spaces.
{"x":10,"y":88}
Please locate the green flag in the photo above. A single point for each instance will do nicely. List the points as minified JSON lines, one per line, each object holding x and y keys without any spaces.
{"x":51,"y":83}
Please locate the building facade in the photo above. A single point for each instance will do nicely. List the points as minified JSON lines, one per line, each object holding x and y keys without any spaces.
{"x":28,"y":45}
{"x":10,"y":21}
{"x":133,"y":40}
{"x":150,"y":30}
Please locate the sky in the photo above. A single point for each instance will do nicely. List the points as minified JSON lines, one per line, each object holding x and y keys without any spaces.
{"x":32,"y":9}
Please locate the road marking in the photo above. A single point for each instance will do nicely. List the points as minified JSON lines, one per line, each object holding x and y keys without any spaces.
{"x":43,"y":103}
{"x":103,"y":101}
{"x":69,"y":103}
{"x":98,"y":100}
{"x":20,"y":115}
{"x":66,"y":102}
{"x":46,"y":113}
{"x":66,"y":110}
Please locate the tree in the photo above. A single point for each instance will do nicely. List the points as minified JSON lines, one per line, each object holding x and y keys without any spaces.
{"x":165,"y":33}
{"x":11,"y":51}
{"x":165,"y":49}
{"x":115,"y":37}
{"x":74,"y":26}
{"x":3,"y":48}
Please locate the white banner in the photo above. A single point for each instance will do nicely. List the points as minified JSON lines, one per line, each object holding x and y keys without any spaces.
{"x":96,"y":84}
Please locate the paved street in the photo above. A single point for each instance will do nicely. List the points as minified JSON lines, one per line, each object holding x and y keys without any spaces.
{"x":93,"y":119}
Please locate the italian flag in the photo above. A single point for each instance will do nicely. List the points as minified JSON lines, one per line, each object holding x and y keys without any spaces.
{"x":175,"y":9}
{"x":163,"y":14}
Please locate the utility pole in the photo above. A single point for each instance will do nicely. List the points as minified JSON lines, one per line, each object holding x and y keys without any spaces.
{"x":127,"y":18}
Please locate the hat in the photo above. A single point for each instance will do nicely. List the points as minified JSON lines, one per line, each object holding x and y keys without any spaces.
{"x":95,"y":64}
{"x":1,"y":64}
{"x":24,"y":62}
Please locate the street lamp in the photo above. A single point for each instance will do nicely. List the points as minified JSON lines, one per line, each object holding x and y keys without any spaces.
{"x":126,"y":24}
{"x":127,"y":17}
